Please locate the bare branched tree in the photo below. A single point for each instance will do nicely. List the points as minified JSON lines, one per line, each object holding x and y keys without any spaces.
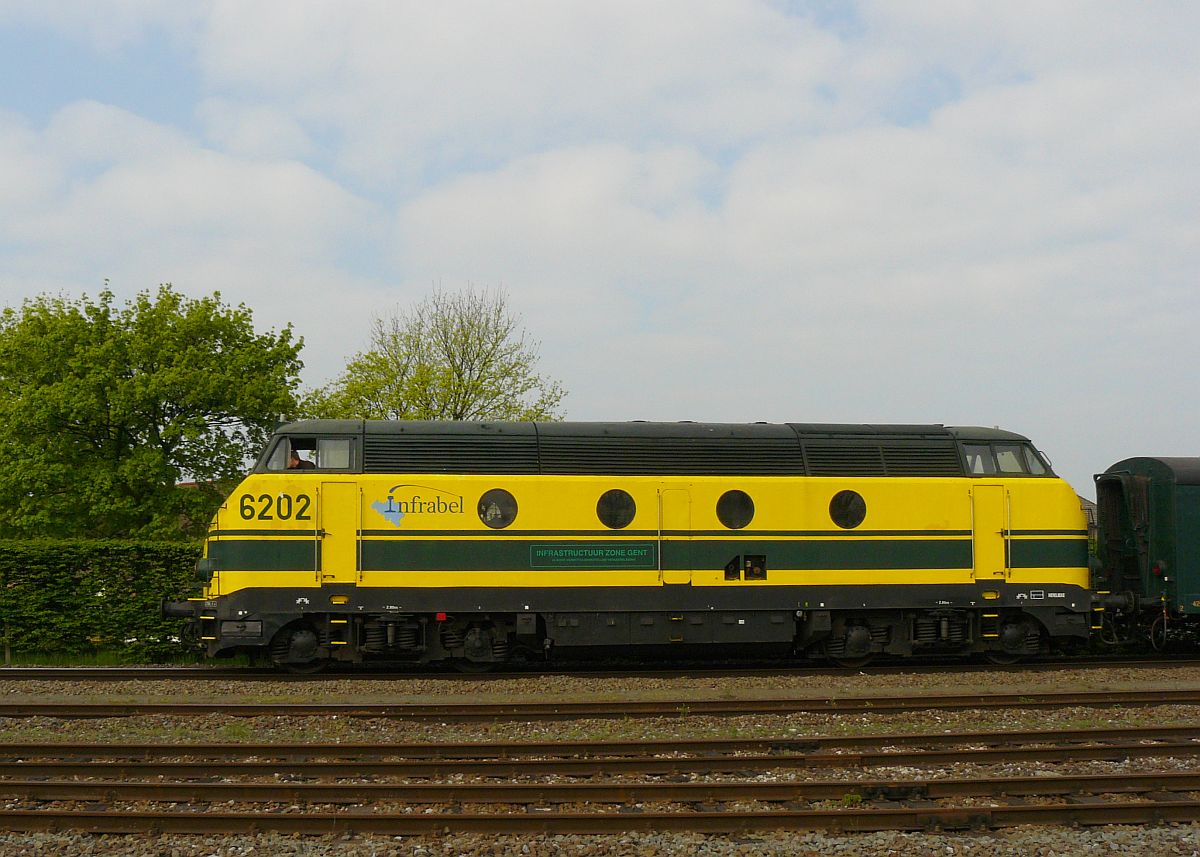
{"x":454,"y":356}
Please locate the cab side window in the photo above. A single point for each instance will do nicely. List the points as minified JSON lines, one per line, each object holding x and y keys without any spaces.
{"x":310,"y":453}
{"x":1033,"y":462}
{"x":278,"y":458}
{"x":979,"y":459}
{"x":333,"y":453}
{"x":292,"y":453}
{"x":1009,"y":458}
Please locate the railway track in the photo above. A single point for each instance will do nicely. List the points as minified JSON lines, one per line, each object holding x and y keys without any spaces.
{"x":611,"y":708}
{"x":538,"y":794}
{"x":721,"y":821}
{"x":597,"y":787}
{"x":590,"y":759}
{"x":18,"y":750}
{"x":210,"y":673}
{"x":251,"y":673}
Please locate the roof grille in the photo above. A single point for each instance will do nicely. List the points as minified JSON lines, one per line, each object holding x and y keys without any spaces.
{"x":843,"y":460}
{"x":664,"y":454}
{"x":922,"y":461}
{"x":450,"y":454}
{"x":670,"y":456}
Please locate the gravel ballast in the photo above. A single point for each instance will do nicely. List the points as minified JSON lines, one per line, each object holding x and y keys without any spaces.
{"x":1157,"y":840}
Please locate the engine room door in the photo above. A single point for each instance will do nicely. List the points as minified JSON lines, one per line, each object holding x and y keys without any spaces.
{"x":675,"y":535}
{"x":990,"y":524}
{"x":339,"y":514}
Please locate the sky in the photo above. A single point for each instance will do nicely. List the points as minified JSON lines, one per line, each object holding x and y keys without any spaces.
{"x":878,"y":212}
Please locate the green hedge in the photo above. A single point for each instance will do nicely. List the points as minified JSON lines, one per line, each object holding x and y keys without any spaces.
{"x":84,"y":597}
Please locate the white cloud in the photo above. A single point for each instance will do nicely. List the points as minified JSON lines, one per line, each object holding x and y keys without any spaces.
{"x":414,"y":87}
{"x":254,"y":130}
{"x":109,"y":27}
{"x":87,"y":133}
{"x":153,"y":186}
{"x":28,"y":174}
{"x":1032,"y":38}
{"x":593,"y":213}
{"x":119,"y":197}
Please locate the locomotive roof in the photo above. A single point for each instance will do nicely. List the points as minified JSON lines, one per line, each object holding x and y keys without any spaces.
{"x":651,"y":448}
{"x":645,"y":429}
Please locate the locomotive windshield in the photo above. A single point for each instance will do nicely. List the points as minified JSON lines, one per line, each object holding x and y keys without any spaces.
{"x":1013,"y":459}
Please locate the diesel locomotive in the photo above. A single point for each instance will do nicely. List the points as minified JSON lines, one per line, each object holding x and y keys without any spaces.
{"x":475,"y":544}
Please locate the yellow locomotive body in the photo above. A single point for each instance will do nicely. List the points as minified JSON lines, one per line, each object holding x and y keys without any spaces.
{"x":507,"y":539}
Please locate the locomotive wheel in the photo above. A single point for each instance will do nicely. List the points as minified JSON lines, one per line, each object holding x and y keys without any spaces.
{"x":296,"y":650}
{"x":852,"y":647}
{"x":1001,"y":658}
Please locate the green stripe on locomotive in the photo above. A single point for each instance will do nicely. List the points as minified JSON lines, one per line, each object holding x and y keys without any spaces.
{"x":408,"y":554}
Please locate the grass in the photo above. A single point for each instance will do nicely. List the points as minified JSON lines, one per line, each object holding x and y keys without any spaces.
{"x":235,"y":733}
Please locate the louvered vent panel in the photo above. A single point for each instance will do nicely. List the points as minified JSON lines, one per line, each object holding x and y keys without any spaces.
{"x":670,"y":456}
{"x":838,"y":460}
{"x":449,"y":454}
{"x":922,"y":461}
{"x":464,"y":453}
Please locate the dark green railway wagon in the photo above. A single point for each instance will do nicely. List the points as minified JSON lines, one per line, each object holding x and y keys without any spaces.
{"x":1148,"y":517}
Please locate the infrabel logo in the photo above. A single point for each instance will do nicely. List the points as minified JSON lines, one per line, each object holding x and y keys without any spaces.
{"x":405,"y":500}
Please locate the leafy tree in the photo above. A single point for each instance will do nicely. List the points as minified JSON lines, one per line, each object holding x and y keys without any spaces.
{"x":105,"y":408}
{"x":461,"y":356}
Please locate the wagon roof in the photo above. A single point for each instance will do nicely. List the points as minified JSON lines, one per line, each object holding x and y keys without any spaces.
{"x":1183,"y":470}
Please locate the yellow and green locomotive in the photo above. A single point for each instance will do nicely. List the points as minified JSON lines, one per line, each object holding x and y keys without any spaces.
{"x":477,"y":543}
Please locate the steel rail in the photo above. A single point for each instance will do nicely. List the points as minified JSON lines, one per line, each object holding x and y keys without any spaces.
{"x":1171,"y":783}
{"x":558,"y":749}
{"x":401,"y":673}
{"x":612,"y":708}
{"x":726,"y":821}
{"x":593,"y":766}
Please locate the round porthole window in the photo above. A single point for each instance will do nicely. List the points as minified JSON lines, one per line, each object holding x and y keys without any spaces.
{"x":615,"y":509}
{"x":735,"y":509}
{"x":848,"y":509}
{"x":497,"y":508}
